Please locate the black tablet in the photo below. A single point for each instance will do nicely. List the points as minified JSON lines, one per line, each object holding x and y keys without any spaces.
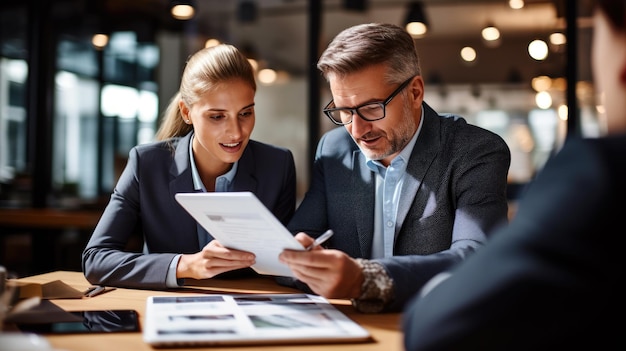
{"x":87,"y":322}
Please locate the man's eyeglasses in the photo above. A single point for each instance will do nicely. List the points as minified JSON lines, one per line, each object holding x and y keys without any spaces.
{"x":371,"y":111}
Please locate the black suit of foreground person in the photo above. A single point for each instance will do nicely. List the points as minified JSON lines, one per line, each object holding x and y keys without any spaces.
{"x":552,"y":279}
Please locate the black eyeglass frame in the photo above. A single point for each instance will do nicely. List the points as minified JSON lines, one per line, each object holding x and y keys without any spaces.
{"x":383,"y":104}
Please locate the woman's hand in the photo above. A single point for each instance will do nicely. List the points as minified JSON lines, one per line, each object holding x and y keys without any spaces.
{"x":212,"y":260}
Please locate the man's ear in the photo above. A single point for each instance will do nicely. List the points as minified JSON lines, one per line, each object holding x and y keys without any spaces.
{"x":417,"y":89}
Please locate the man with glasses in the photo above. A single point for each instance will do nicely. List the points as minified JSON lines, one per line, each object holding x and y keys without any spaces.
{"x":408,"y":192}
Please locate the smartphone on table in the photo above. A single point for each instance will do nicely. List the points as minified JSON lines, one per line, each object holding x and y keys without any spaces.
{"x":101,"y":321}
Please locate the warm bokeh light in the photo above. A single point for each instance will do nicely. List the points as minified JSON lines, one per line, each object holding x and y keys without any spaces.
{"x":211,"y":43}
{"x":468,"y":54}
{"x":267,"y":76}
{"x":183,"y":12}
{"x":416,"y":28}
{"x":541,"y":83}
{"x":558,"y":38}
{"x":543,"y":100}
{"x":562,"y":112}
{"x":254,"y":63}
{"x":538,"y":49}
{"x":490,"y":33}
{"x":516,"y":4}
{"x":99,"y":40}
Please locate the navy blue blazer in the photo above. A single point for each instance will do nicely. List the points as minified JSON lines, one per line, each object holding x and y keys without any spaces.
{"x":143,"y":200}
{"x":553,"y":278}
{"x":454,"y":194}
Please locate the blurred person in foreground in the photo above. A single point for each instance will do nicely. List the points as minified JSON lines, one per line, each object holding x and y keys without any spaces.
{"x":204,"y":146}
{"x":552,"y":279}
{"x":407,"y":191}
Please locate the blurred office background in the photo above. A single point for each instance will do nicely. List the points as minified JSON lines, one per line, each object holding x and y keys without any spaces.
{"x":82,"y":81}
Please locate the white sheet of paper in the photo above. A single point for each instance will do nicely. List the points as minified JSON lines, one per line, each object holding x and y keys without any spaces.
{"x":239,"y":220}
{"x":256,"y":319}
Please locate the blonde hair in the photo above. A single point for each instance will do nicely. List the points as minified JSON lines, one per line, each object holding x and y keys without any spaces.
{"x":203,"y":71}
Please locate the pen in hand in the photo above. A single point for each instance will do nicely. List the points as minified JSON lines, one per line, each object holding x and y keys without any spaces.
{"x":320,"y":240}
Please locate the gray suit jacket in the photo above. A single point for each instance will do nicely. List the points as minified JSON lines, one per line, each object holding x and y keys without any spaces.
{"x":143,"y":200}
{"x":453,"y":196}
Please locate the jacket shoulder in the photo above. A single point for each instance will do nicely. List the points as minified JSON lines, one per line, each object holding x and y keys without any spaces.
{"x":155,"y":146}
{"x":470,"y":134}
{"x":336,"y":140}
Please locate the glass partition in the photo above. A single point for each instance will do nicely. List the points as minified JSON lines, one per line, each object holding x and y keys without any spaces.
{"x":15,"y":184}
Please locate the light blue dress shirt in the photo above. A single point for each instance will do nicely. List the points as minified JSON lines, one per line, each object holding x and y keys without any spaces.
{"x":223,"y":183}
{"x":389,"y":181}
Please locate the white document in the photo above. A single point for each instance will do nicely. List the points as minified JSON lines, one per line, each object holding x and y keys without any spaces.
{"x":239,"y":220}
{"x":194,"y":320}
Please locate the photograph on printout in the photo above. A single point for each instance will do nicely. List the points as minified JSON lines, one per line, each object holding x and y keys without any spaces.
{"x":247,"y":319}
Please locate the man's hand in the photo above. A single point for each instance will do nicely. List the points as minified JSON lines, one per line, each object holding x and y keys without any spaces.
{"x":329,"y":273}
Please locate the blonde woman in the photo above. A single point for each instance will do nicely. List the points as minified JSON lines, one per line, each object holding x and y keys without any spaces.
{"x":203,"y":145}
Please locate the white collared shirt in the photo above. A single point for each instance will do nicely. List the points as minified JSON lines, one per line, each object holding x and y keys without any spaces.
{"x":223,"y":183}
{"x":389,"y":181}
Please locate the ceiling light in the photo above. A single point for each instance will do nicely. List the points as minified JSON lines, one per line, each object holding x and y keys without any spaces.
{"x":516,"y":4}
{"x":182,"y":9}
{"x":99,"y":41}
{"x":491,"y":36}
{"x":543,"y":100}
{"x":267,"y":76}
{"x":538,"y":49}
{"x":416,"y":21}
{"x":541,"y":83}
{"x":558,"y":38}
{"x":468,"y":54}
{"x":211,"y":43}
{"x":490,"y":33}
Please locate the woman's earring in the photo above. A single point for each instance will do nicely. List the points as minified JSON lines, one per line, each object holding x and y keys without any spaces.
{"x":187,"y":121}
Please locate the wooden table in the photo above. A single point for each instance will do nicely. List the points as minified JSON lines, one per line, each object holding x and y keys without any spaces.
{"x":384,"y":328}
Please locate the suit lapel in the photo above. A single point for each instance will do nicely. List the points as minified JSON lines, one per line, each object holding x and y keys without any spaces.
{"x":181,"y":168}
{"x":182,"y":182}
{"x":244,"y":179}
{"x":422,"y":157}
{"x":364,"y":189}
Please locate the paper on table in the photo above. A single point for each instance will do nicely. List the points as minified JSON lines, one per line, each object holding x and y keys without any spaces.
{"x":201,"y":320}
{"x":239,"y":220}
